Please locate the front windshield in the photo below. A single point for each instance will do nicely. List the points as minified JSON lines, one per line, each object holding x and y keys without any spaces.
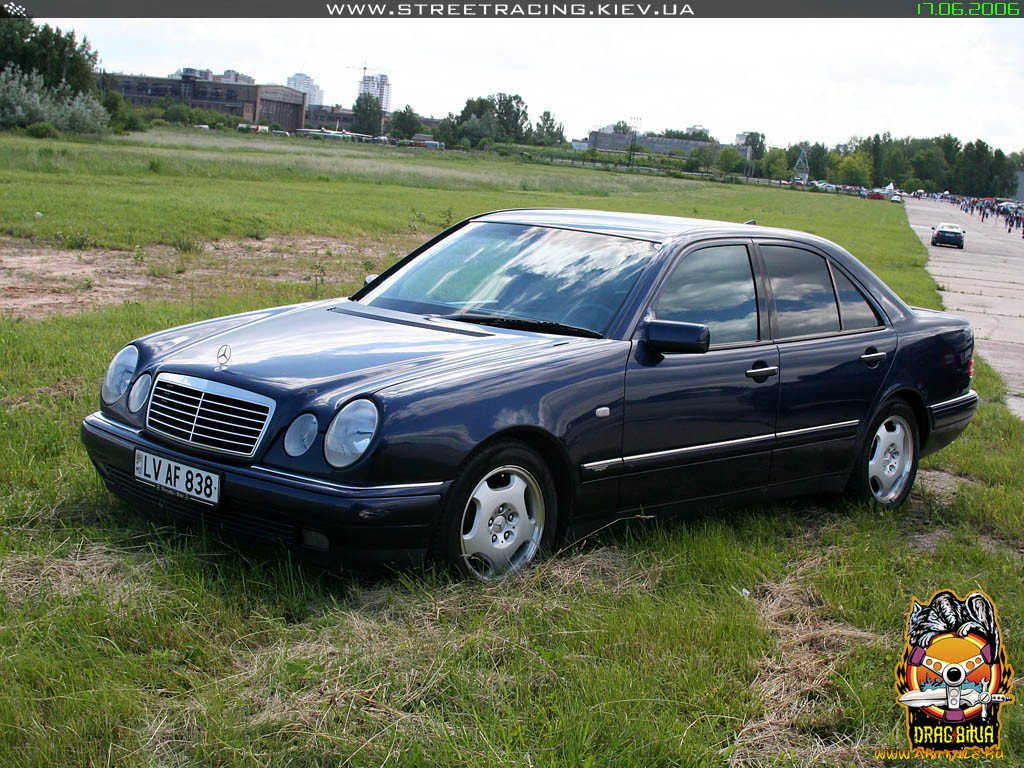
{"x":578,"y":279}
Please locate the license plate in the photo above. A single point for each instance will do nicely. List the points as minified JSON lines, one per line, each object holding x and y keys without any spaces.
{"x":177,"y":478}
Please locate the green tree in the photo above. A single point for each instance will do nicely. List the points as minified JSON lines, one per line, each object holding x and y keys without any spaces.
{"x":930,"y":166}
{"x":405,"y":123}
{"x":729,"y":160}
{"x":817,"y":160}
{"x":448,"y":131}
{"x":56,"y":55}
{"x":622,"y":127}
{"x":548,"y":132}
{"x":855,"y":170}
{"x":756,"y":143}
{"x":512,"y":118}
{"x":1004,"y":175}
{"x":367,"y":115}
{"x":478,"y":107}
{"x":774,"y":164}
{"x":894,"y":165}
{"x":950,"y":146}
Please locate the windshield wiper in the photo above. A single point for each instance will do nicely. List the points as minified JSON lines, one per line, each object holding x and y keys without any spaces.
{"x":526,"y":324}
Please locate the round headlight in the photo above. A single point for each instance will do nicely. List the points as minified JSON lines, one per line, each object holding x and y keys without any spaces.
{"x":119,"y":374}
{"x":300,"y":435}
{"x":350,"y":433}
{"x":137,"y":397}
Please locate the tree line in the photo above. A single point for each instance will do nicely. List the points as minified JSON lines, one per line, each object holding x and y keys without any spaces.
{"x":935,"y":164}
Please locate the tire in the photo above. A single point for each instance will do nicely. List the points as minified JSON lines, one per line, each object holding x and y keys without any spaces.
{"x":501,"y":513}
{"x":887,"y":463}
{"x":933,"y":241}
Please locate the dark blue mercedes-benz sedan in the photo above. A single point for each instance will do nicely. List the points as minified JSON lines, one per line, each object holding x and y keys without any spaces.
{"x":527,"y":376}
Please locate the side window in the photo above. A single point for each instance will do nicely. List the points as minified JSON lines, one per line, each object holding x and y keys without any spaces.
{"x":805,"y":302}
{"x":714,"y":286}
{"x":856,"y":311}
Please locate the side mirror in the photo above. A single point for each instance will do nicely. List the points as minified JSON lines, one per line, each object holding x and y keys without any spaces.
{"x":668,"y":337}
{"x":370,"y":278}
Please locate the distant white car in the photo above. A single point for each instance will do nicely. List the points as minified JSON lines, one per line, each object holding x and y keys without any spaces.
{"x":896,"y":199}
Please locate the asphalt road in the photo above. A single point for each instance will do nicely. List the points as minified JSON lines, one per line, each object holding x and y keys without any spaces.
{"x":983,"y":283}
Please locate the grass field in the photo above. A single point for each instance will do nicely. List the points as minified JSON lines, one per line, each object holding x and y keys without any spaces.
{"x":758,"y":636}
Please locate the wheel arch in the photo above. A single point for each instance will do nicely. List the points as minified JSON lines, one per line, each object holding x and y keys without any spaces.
{"x":551,"y":450}
{"x":913,"y":399}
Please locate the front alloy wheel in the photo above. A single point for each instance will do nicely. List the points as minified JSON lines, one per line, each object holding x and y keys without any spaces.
{"x":502,"y":512}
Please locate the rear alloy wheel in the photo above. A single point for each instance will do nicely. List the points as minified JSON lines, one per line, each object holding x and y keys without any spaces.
{"x":502,"y":512}
{"x":887,"y":465}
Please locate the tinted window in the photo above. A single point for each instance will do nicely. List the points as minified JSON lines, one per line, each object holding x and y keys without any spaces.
{"x":804,"y":300}
{"x":509,"y":270}
{"x":857,"y":313}
{"x":714,"y":286}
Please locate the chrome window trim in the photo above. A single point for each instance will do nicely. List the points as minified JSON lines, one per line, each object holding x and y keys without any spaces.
{"x":972,"y":395}
{"x":347,"y":488}
{"x":596,"y":466}
{"x":216,"y":388}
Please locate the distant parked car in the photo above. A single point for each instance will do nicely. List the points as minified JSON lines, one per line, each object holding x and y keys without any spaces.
{"x":281,"y":133}
{"x":948,"y":234}
{"x":896,"y":199}
{"x":528,"y":376}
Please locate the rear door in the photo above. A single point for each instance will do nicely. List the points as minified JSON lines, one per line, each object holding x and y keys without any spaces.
{"x":702,"y":425}
{"x":834,"y":353}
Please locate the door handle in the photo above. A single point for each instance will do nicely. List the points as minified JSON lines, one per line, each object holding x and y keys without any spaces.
{"x":763,"y":372}
{"x":871,"y":358}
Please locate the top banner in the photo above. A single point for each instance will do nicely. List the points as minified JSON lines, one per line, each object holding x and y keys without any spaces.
{"x":412,"y":9}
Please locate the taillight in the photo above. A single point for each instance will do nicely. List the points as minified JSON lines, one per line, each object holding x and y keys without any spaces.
{"x":970,"y":369}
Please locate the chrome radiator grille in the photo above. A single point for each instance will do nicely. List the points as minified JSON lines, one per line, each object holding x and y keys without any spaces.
{"x":208,"y":414}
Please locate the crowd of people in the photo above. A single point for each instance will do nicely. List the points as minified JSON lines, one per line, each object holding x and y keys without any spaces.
{"x":1008,"y":214}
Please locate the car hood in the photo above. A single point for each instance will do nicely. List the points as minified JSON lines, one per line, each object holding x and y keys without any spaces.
{"x":331,"y":347}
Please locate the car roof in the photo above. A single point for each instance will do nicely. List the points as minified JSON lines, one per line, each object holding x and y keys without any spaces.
{"x":640,"y":226}
{"x":944,"y":225}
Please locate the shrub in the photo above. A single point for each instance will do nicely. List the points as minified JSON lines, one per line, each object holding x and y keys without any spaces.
{"x":25,"y":100}
{"x":43,"y":131}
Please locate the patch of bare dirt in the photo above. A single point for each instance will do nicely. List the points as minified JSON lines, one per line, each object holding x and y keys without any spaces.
{"x":797,"y":682}
{"x":40,"y":280}
{"x":42,"y":397}
{"x":939,"y":486}
{"x":119,"y":578}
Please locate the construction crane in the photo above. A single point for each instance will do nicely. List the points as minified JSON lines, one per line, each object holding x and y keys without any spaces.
{"x":375,"y":70}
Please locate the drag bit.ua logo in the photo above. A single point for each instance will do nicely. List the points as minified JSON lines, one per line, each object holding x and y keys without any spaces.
{"x":953,"y":676}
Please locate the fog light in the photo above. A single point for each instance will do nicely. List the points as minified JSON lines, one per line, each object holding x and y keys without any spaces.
{"x":315,"y":540}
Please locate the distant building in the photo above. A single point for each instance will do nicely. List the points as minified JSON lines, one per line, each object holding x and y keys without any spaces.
{"x":249,"y":103}
{"x":305,"y":83}
{"x":581,"y":146}
{"x":335,"y":118}
{"x":379,"y":86}
{"x":229,"y":76}
{"x":654,"y":144}
{"x":697,"y":129}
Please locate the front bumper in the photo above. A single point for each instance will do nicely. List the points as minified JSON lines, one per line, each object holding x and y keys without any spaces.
{"x":365,"y":526}
{"x":949,"y":419}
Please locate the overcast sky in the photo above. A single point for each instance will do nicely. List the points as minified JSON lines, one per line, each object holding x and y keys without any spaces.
{"x":821,"y":80}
